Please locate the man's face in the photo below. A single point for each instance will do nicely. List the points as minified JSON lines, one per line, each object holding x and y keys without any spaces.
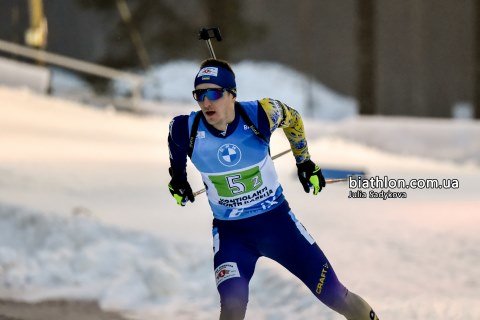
{"x":217,"y":112}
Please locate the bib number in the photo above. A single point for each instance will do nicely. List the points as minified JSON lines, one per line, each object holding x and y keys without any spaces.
{"x":236,"y":187}
{"x":237,"y":183}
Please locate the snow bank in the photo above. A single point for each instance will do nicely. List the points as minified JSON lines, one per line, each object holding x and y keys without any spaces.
{"x":173,"y":82}
{"x":64,"y":83}
{"x":91,"y":177}
{"x":266,"y":79}
{"x":46,"y":256}
{"x":440,"y":139}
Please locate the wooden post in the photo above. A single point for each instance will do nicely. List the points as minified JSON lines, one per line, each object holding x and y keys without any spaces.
{"x":476,"y":81}
{"x":366,"y":56}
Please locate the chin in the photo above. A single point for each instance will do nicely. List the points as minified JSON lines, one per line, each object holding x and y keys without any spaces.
{"x":211,"y":121}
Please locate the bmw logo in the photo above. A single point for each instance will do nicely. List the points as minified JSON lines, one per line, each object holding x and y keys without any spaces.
{"x":229,"y":155}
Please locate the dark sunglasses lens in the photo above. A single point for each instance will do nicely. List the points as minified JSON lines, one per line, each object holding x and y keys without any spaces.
{"x":211,"y":94}
{"x":214,"y":94}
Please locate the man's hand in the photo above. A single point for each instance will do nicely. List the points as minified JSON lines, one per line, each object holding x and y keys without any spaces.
{"x":310,"y":175}
{"x":180,"y":189}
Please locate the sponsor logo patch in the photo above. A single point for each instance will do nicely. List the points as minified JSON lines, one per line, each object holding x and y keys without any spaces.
{"x":226,"y":271}
{"x":208,"y":71}
{"x":200,"y":134}
{"x":229,"y":155}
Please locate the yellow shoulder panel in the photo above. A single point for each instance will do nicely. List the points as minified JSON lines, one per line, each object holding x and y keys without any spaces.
{"x":282,"y":116}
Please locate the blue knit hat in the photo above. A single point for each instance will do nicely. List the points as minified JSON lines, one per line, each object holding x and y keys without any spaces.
{"x":216,"y":75}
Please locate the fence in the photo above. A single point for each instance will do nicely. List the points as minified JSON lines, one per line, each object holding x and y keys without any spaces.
{"x":42,"y":56}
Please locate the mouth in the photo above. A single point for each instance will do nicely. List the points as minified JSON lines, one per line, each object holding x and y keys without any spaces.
{"x":210,"y":113}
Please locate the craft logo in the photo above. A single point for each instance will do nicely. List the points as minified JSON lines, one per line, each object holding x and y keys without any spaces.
{"x":229,"y":155}
{"x":323,"y":277}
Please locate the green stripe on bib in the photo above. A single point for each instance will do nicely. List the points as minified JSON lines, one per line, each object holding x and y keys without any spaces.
{"x":237,"y":183}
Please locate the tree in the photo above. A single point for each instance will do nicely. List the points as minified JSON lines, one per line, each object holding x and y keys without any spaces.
{"x":236,"y":30}
{"x":476,"y":91}
{"x":366,"y":56}
{"x":168,"y":29}
{"x":153,"y":29}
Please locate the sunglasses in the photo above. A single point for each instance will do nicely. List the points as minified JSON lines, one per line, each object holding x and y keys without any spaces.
{"x":211,"y":93}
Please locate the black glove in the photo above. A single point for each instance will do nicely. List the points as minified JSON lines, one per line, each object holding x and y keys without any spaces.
{"x":310,"y":175}
{"x":180,"y":190}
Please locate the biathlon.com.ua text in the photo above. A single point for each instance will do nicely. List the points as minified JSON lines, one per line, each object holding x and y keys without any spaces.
{"x":379,"y":184}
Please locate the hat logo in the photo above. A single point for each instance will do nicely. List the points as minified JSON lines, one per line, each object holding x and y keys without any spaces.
{"x":208,"y":71}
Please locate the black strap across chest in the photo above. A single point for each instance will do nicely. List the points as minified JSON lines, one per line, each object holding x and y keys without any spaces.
{"x":243,"y":114}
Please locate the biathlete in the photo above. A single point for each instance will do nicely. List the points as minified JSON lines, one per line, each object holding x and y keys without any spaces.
{"x":228,"y":142}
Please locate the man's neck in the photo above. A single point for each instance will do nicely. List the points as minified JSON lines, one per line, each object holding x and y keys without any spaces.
{"x":224,"y":125}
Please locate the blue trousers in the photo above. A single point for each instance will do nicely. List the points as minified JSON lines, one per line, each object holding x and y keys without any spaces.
{"x":278,"y":235}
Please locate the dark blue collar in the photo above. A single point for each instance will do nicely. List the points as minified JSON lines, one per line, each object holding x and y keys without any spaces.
{"x":230,"y":127}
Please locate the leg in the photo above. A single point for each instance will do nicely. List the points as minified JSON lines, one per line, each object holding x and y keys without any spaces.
{"x":234,"y":263}
{"x":296,"y":250}
{"x":356,"y":308}
{"x":233,"y":299}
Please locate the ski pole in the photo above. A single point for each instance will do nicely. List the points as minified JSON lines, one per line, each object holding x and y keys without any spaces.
{"x":196,"y":193}
{"x":327,"y":181}
{"x":207,"y":34}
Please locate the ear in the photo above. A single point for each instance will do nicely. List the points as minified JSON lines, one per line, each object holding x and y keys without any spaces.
{"x":232,"y":97}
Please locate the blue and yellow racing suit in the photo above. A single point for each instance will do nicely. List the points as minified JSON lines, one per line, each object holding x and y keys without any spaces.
{"x":252,"y":218}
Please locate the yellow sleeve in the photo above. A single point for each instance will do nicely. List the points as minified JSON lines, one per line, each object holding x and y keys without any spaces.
{"x":282,"y":116}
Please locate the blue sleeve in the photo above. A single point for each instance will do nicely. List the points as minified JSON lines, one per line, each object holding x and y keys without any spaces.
{"x":178,"y":147}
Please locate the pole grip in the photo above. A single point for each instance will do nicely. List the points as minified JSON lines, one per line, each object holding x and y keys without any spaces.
{"x":207,"y":34}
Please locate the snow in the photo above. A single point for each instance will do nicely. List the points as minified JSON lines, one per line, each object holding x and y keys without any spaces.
{"x":85,"y":214}
{"x":441,"y":139}
{"x":167,"y":82}
{"x":68,"y":84}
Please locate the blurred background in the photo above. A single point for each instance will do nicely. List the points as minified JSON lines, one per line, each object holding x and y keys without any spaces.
{"x":86,"y":220}
{"x":411,"y":58}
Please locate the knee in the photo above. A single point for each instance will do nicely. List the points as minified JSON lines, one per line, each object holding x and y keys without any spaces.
{"x":233,"y":299}
{"x":356,"y":308}
{"x":233,"y":307}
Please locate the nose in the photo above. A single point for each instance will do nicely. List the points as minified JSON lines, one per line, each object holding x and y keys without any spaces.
{"x":206,"y":102}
